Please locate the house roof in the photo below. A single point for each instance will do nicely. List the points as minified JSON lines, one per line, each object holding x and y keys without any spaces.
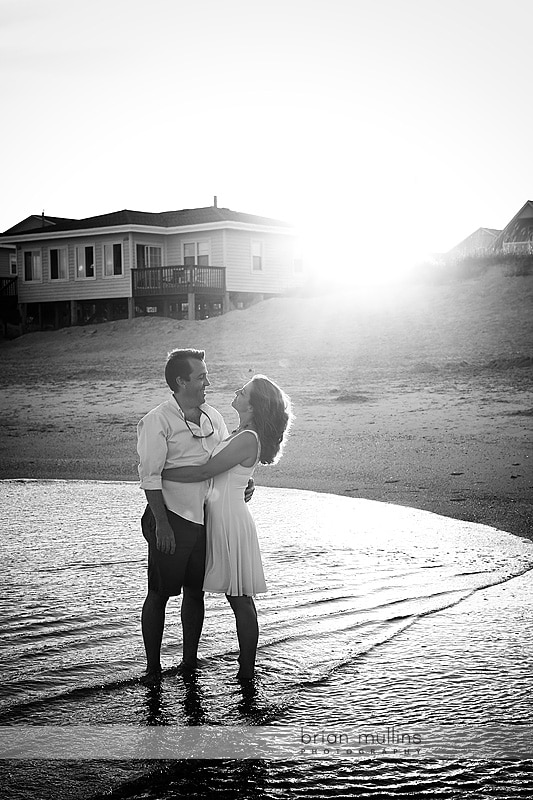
{"x":490,"y":231}
{"x":36,"y":222}
{"x":512,"y":225}
{"x":164,"y":219}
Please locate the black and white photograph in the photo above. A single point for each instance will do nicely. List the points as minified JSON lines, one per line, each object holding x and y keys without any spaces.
{"x":266,"y":408}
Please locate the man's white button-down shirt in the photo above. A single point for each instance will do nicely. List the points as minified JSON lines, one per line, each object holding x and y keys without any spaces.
{"x":164,"y":441}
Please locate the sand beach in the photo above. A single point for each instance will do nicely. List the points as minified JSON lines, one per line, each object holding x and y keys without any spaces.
{"x":417,"y":394}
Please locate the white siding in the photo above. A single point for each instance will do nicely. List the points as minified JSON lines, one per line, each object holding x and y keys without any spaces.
{"x":100,"y":287}
{"x":277,"y":274}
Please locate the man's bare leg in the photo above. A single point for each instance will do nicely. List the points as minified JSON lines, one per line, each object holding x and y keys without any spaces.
{"x":247,"y":633}
{"x":192,"y":621}
{"x":152,"y":624}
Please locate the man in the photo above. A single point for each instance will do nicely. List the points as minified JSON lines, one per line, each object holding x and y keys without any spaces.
{"x":182,"y":431}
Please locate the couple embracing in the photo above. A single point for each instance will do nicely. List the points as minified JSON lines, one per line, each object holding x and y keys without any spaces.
{"x":197,"y":478}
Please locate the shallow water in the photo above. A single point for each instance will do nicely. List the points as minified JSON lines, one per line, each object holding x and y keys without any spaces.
{"x":375,"y":613}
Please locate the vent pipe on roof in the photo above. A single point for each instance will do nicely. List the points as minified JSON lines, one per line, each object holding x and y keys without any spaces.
{"x":215,"y":201}
{"x":42,"y":219}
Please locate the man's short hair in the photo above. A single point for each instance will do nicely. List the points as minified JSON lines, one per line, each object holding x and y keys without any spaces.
{"x":178,"y":365}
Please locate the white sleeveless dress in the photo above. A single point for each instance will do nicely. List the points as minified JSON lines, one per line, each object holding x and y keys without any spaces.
{"x":233,"y":559}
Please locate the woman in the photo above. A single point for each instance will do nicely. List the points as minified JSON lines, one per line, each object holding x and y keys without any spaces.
{"x":233,"y":560}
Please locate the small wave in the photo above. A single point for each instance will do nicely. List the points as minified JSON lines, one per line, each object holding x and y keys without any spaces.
{"x":102,"y":565}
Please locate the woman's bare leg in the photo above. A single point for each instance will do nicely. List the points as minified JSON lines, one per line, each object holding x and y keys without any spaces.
{"x":247,"y":633}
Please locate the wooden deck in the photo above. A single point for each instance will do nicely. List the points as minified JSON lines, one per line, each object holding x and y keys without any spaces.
{"x":518,"y":248}
{"x":152,"y":281}
{"x":8,"y":286}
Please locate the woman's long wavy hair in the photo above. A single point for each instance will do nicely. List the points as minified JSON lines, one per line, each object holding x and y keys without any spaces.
{"x":272,"y":417}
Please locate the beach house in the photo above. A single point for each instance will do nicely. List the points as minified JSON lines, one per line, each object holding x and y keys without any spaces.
{"x":476,"y":244}
{"x":192,"y":264}
{"x":517,"y":236}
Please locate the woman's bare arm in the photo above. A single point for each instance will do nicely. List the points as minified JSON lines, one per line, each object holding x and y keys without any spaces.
{"x":242,"y":447}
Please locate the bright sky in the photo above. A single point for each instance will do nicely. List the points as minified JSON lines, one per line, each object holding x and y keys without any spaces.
{"x":383,"y":129}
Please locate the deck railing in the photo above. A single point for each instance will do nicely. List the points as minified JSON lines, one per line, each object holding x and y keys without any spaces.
{"x":178,"y":280}
{"x":8,"y":287}
{"x":518,"y":248}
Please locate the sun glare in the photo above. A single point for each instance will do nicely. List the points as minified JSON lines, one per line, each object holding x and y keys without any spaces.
{"x":352,"y":254}
{"x":361,"y":225}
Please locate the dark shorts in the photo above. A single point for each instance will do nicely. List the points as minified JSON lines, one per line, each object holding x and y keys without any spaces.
{"x":186,"y":566}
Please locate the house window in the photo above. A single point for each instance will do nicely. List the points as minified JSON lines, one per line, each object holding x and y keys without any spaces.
{"x":85,"y":262}
{"x":148,"y":256}
{"x":196,"y":254}
{"x":58,"y":264}
{"x":32,"y":265}
{"x":189,"y":255}
{"x":13,"y":264}
{"x":112,"y":260}
{"x":257,"y":256}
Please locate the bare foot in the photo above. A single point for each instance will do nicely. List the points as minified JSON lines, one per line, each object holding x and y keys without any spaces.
{"x":184,"y":669}
{"x":152,"y":677}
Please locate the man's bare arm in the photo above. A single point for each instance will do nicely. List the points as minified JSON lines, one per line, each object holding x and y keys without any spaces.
{"x":163,"y":531}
